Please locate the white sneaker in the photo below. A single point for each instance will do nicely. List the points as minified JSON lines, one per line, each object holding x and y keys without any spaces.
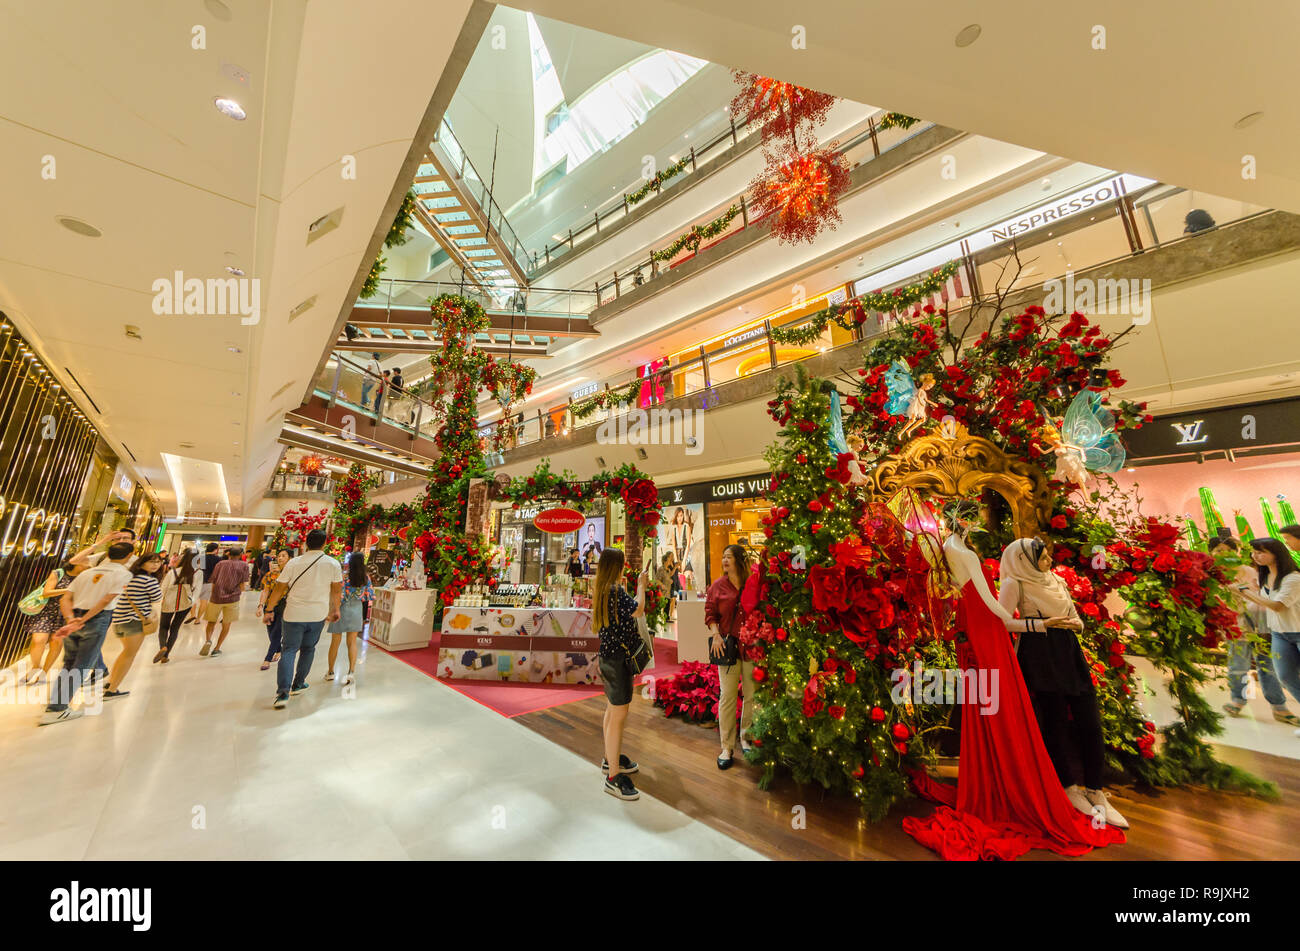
{"x":348,"y":678}
{"x":330,"y":675}
{"x":60,"y":716}
{"x":34,"y":676}
{"x":1078,"y":799}
{"x":1098,"y":798}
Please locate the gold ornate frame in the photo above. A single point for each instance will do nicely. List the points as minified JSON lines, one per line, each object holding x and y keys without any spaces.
{"x":958,"y":465}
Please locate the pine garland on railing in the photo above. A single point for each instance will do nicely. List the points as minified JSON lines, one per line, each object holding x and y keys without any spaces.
{"x":896,"y":120}
{"x":698,"y":235}
{"x":606,"y":399}
{"x":854,"y":311}
{"x":660,"y":177}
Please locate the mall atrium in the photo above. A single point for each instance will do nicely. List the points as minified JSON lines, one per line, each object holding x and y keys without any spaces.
{"x":692,"y":431}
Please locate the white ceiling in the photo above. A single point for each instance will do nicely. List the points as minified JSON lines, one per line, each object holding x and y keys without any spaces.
{"x":123,"y":102}
{"x":1160,"y":100}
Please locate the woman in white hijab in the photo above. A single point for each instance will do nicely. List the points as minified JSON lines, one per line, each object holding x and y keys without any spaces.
{"x":1056,"y":672}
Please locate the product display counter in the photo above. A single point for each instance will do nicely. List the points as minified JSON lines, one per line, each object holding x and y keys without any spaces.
{"x":523,"y":645}
{"x":402,"y":620}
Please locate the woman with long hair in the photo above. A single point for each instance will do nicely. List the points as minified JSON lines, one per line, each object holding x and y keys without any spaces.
{"x":723,"y":616}
{"x":357,"y":592}
{"x":613,"y":615}
{"x":275,"y":620}
{"x":132,"y":613}
{"x":179,"y":585}
{"x":1276,"y":589}
{"x":41,"y":627}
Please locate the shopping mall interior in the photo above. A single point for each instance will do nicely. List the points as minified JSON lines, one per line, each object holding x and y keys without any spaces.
{"x":857,"y":342}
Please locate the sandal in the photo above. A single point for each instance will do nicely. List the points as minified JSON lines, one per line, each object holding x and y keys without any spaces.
{"x":1287,"y":717}
{"x":266,"y":665}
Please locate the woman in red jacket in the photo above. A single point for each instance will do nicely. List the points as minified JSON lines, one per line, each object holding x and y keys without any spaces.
{"x":723,"y":616}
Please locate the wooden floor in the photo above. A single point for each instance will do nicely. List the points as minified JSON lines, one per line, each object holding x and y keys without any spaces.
{"x":677,"y":767}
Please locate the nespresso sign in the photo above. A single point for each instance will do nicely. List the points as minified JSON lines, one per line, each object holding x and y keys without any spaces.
{"x":1230,"y":427}
{"x":720,"y":490}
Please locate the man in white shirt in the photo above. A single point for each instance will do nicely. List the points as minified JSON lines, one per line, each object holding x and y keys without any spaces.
{"x":87,"y":606}
{"x":312,"y":586}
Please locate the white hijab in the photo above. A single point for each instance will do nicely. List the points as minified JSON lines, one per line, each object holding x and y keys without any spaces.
{"x":1043,"y":592}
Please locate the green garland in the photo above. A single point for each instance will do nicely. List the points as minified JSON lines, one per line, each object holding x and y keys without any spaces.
{"x":405,"y":215}
{"x":371,"y":285}
{"x":605,"y":399}
{"x":698,"y":235}
{"x":896,"y":120}
{"x":854,"y":311}
{"x":660,"y":177}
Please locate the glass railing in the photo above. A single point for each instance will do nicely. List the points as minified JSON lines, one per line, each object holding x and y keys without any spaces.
{"x":471,"y":185}
{"x":864,"y":147}
{"x":344,"y":383}
{"x":300,"y":483}
{"x":1098,"y":239}
{"x":397,"y":297}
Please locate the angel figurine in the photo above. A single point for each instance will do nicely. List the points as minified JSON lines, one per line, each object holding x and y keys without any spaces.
{"x":856,"y":475}
{"x":842,"y":445}
{"x":906,"y":398}
{"x":1086,"y":441}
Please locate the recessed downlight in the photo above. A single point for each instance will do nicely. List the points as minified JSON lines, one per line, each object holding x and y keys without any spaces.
{"x":968,"y":35}
{"x":237,"y":271}
{"x":230,"y":108}
{"x":1248,"y":119}
{"x":77,"y":226}
{"x":218,"y":9}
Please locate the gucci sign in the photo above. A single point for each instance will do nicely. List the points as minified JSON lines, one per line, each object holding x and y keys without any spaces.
{"x":30,"y":532}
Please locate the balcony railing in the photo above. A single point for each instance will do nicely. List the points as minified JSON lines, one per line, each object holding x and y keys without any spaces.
{"x":1105,"y":235}
{"x":300,"y":484}
{"x":866,"y":146}
{"x":398,"y":295}
{"x":350,"y":385}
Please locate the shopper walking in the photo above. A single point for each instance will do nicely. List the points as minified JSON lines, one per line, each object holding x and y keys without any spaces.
{"x":180,"y":584}
{"x":229,"y":578}
{"x":274,"y":627}
{"x":210,"y":561}
{"x":40,"y":627}
{"x":311,"y":586}
{"x":723,"y":616}
{"x":87,"y":607}
{"x":369,"y":378}
{"x":1276,"y":588}
{"x":133,"y":619}
{"x":357,"y":593}
{"x":622,"y":657}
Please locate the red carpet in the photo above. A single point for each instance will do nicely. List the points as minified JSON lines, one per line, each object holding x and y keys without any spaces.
{"x":512,"y":699}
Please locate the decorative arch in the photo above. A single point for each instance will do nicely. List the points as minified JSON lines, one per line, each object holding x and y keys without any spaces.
{"x":955,"y":464}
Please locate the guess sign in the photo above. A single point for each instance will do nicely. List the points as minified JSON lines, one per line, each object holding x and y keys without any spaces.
{"x":559,"y":521}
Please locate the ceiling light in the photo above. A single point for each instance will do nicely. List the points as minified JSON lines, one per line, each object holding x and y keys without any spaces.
{"x":77,"y":226}
{"x":968,"y":35}
{"x":1248,"y":119}
{"x":217,"y":9}
{"x":1047,"y":183}
{"x":237,"y":271}
{"x":228,"y":107}
{"x":234,"y":349}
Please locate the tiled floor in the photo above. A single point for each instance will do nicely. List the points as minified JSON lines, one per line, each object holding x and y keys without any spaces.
{"x":195,"y":764}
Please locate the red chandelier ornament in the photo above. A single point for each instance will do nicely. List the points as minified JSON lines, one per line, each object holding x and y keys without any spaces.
{"x":311,"y":465}
{"x":784,"y":109}
{"x":800,"y":193}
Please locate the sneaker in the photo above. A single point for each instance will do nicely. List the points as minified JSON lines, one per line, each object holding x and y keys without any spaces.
{"x":157,"y":658}
{"x":1234,"y":709}
{"x":114,"y":694}
{"x":348,"y":678}
{"x":294,"y":691}
{"x":1287,"y":717}
{"x":281,"y":701}
{"x":60,"y":716}
{"x":203,"y":651}
{"x":330,"y":675}
{"x":625,"y":764}
{"x":34,"y":676}
{"x":621,"y":787}
{"x":216,"y":653}
{"x":1078,"y":799}
{"x":1098,"y":798}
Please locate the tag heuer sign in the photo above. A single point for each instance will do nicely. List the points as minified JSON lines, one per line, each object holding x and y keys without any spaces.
{"x":559,"y":521}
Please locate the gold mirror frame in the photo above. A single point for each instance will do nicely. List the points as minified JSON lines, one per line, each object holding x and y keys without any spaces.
{"x":962,"y":466}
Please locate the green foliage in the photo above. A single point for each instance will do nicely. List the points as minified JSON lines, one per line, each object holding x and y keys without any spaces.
{"x":697,"y":235}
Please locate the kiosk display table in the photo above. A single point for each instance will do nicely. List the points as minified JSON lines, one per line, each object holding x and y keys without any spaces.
{"x":402,"y":620}
{"x":523,"y":645}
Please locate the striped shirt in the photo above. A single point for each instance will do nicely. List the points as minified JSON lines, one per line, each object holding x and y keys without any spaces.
{"x":141,"y":594}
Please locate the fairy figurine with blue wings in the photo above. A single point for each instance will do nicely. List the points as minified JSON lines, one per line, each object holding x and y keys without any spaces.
{"x":841,"y":445}
{"x":1086,"y":441}
{"x":906,"y":398}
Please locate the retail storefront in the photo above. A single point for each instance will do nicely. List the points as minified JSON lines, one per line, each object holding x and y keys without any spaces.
{"x":45,"y":451}
{"x":534,"y":554}
{"x":1236,"y":464}
{"x":701,"y":519}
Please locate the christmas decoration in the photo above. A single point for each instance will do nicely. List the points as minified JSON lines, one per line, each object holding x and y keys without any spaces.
{"x":311,"y":465}
{"x":396,"y":236}
{"x":784,"y":111}
{"x":697,"y":235}
{"x":798,"y":193}
{"x":636,"y":490}
{"x":605,"y":399}
{"x":297,"y":522}
{"x":350,"y":516}
{"x":657,"y":181}
{"x":896,"y":120}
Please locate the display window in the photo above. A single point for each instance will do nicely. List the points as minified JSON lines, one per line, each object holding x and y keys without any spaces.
{"x":738,"y":522}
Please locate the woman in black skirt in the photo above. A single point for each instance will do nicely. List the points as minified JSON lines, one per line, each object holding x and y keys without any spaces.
{"x":1056,"y":672}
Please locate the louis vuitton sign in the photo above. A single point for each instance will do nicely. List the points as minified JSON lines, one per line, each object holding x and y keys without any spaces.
{"x":1229,"y":427}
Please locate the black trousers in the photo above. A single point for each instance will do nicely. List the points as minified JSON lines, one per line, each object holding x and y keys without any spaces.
{"x":170,"y":627}
{"x":1071,"y":726}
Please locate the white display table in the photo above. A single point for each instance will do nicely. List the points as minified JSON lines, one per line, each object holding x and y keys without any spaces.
{"x":402,"y":620}
{"x":692,"y":635}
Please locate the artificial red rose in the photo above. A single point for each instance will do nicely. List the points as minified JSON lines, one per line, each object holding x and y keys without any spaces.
{"x":1163,"y":562}
{"x":641,"y":495}
{"x":814,"y":506}
{"x":836,"y":712}
{"x":801,"y":459}
{"x":850,"y":675}
{"x":829,"y":590}
{"x":901,"y":747}
{"x":781,"y":634}
{"x":878,"y":715}
{"x":1091,"y":610}
{"x":1059,"y":522}
{"x":814,"y":528}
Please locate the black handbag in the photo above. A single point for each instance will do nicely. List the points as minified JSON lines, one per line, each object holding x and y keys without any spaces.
{"x":730,"y":651}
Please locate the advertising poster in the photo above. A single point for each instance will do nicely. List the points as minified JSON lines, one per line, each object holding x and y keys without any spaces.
{"x":682,"y":532}
{"x":591,"y":540}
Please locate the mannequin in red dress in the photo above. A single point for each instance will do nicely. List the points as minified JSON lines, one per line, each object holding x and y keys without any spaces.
{"x":1008,"y":799}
